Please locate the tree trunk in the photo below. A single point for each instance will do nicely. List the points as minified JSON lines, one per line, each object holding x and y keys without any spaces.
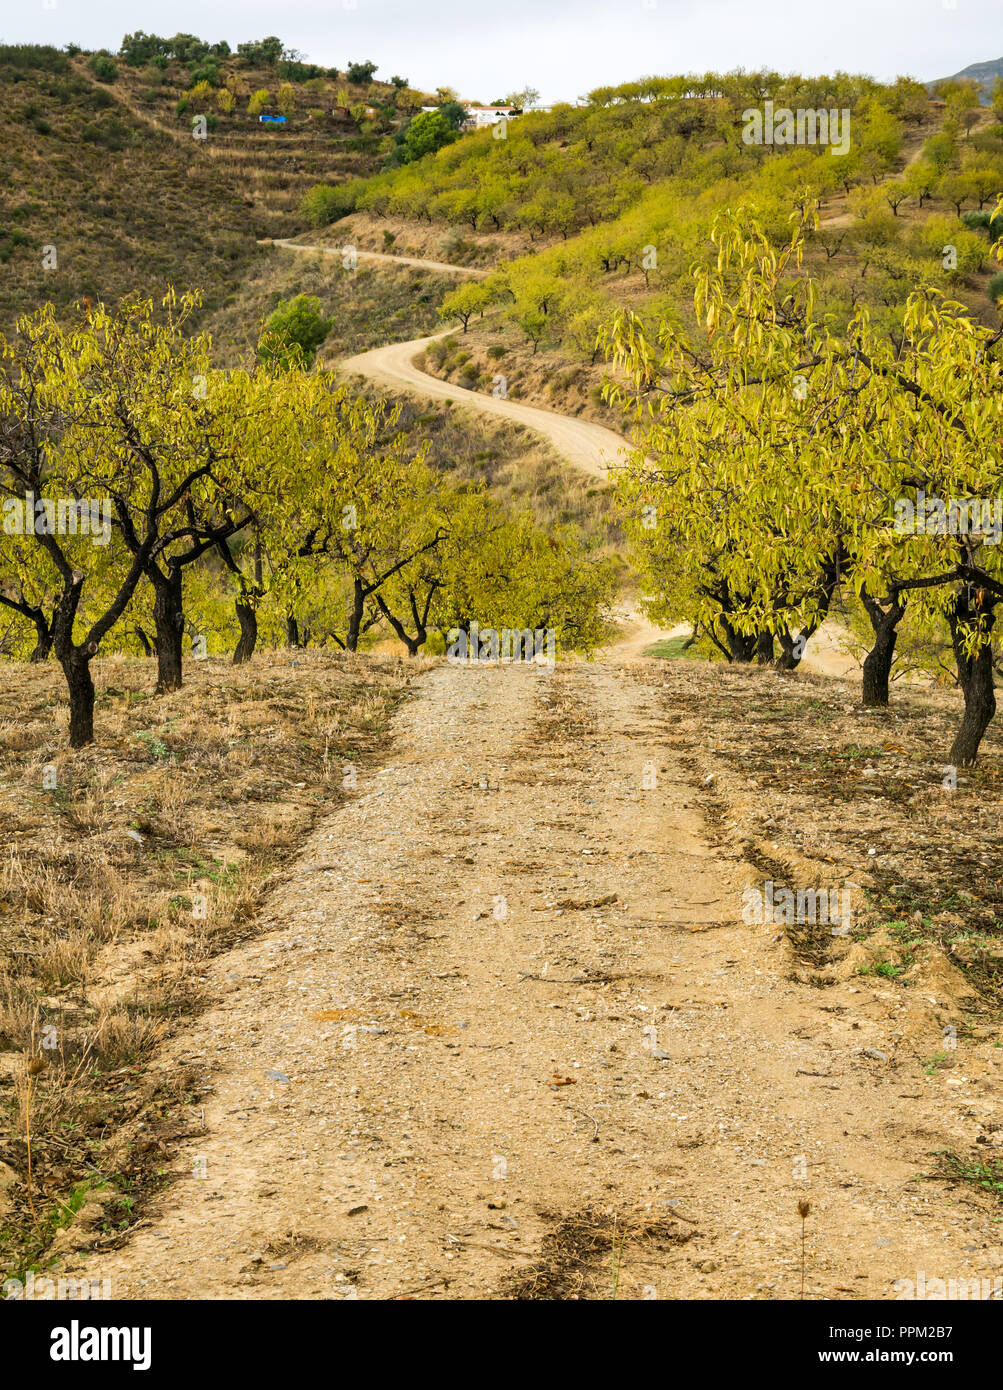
{"x":413,"y":644}
{"x":148,"y":647}
{"x":792,"y":648}
{"x":169,"y":617}
{"x":77,"y":670}
{"x":877,"y":668}
{"x":741,"y":647}
{"x":292,"y":631}
{"x":878,"y":662}
{"x":787,"y":660}
{"x":75,"y":661}
{"x":248,"y":619}
{"x":975,"y":675}
{"x":43,"y":639}
{"x":355,"y":613}
{"x":764,"y":649}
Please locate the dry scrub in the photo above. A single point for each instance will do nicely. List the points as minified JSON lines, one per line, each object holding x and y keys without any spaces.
{"x":821,"y":791}
{"x":129,"y":865}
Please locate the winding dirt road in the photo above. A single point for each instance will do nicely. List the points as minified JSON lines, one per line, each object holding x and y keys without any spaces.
{"x":441,"y":266}
{"x":589,"y":447}
{"x":502,"y":1032}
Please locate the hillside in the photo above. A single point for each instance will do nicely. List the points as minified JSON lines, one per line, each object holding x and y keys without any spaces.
{"x":984,"y":74}
{"x":102,"y":165}
{"x":582,"y":210}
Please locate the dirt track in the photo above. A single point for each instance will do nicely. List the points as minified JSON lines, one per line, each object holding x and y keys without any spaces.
{"x":440,"y":266}
{"x":505,"y":1014}
{"x":585,"y":445}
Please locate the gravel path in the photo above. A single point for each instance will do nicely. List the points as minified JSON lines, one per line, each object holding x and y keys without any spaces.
{"x":463,"y":270}
{"x":504,"y":1015}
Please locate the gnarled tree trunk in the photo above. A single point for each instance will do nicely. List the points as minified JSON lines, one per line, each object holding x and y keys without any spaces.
{"x":43,"y":639}
{"x":355,"y":614}
{"x":244,"y":605}
{"x":169,"y":618}
{"x":76,"y":663}
{"x":148,"y":648}
{"x":791,"y":650}
{"x":248,"y":619}
{"x":878,"y":662}
{"x":741,"y":646}
{"x":77,"y":670}
{"x":975,"y":676}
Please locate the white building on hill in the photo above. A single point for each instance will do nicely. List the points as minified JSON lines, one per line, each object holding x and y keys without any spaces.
{"x":480,"y":116}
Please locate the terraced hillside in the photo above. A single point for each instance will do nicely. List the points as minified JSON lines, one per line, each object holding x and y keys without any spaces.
{"x":107,"y":173}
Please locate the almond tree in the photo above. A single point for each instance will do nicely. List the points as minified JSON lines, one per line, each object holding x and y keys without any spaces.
{"x":721,"y":497}
{"x":162,"y":434}
{"x":354,"y":500}
{"x":46,"y":483}
{"x":123,"y":409}
{"x":780,"y":456}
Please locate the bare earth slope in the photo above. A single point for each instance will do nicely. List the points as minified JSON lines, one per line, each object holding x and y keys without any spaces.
{"x":505,"y":1015}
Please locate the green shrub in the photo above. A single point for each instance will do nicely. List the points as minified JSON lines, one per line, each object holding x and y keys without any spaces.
{"x":292,"y":71}
{"x":326,"y":203}
{"x":294,"y":332}
{"x":979,"y":218}
{"x":28,"y":56}
{"x":7,"y":244}
{"x":205,"y":72}
{"x":103,"y":67}
{"x":995,"y":287}
{"x":360,"y":73}
{"x":111,"y":134}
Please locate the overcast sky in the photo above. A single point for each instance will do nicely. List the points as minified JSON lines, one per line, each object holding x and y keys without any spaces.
{"x":485,"y":48}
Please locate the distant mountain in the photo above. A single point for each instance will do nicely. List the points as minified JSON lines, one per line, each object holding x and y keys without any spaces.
{"x":985,"y":74}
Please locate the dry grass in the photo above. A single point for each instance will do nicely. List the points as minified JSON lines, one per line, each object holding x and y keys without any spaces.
{"x":547,"y":377}
{"x":148,"y":857}
{"x":517,"y":465}
{"x":456,"y":245}
{"x":820,"y":792}
{"x":109,"y":174}
{"x":374,"y":304}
